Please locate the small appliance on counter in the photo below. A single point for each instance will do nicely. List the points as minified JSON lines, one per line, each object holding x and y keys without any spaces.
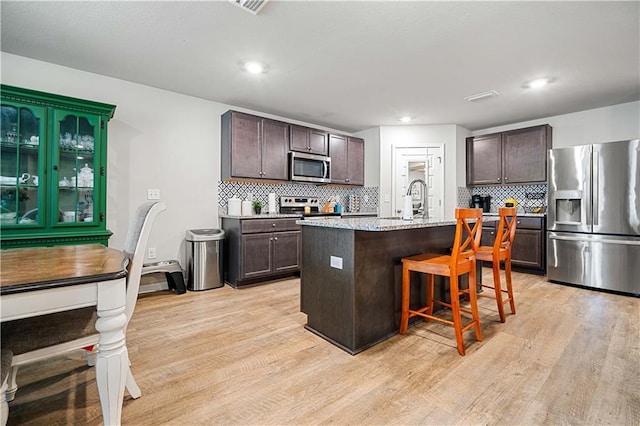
{"x":485,"y":200}
{"x":481,"y":202}
{"x":511,"y":202}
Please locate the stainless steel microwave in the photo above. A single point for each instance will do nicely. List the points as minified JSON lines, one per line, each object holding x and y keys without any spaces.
{"x":309,"y":167}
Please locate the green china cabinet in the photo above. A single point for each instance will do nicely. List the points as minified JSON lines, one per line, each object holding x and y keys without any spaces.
{"x":52,"y":169}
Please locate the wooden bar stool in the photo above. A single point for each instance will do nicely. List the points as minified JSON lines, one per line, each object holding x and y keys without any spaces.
{"x":461,"y":261}
{"x":501,"y":251}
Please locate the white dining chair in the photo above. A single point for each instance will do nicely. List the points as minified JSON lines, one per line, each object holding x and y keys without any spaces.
{"x":40,"y":337}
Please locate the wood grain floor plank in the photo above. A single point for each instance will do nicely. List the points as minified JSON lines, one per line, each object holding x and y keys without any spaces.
{"x":243,"y":357}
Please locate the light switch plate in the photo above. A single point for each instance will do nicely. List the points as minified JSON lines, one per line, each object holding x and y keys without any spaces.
{"x":336,"y":262}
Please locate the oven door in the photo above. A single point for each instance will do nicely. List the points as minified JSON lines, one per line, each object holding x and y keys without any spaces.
{"x":309,"y":168}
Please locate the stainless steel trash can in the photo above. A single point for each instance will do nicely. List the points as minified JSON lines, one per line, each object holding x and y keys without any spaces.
{"x":204,"y":259}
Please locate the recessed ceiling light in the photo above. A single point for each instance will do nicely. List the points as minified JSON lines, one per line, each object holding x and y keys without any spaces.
{"x":254,"y":67}
{"x":405,"y":119}
{"x":537,"y":83}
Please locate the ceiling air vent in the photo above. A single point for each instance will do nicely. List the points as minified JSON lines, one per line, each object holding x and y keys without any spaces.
{"x":253,"y":6}
{"x":481,"y":96}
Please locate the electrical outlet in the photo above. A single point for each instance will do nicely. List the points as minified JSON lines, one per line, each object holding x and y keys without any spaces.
{"x":151,"y":252}
{"x":153,"y":194}
{"x":386,"y":198}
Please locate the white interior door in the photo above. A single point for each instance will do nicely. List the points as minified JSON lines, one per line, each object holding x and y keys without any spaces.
{"x":419,"y":163}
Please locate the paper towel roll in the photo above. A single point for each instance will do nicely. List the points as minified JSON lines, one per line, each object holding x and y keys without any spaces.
{"x":234,"y":207}
{"x":272,"y":203}
{"x":407,"y":211}
{"x":246,"y":208}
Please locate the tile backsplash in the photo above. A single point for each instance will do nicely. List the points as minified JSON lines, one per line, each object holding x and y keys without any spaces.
{"x":527,"y":196}
{"x":369,"y":196}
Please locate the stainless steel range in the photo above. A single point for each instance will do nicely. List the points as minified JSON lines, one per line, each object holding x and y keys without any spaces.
{"x":308,"y":207}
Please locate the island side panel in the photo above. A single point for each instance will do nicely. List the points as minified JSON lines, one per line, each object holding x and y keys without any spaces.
{"x":359,"y":305}
{"x":378,"y":278}
{"x":327,"y":292}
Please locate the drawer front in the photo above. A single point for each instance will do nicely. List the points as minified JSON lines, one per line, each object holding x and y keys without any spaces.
{"x":252,"y":226}
{"x":529,"y":223}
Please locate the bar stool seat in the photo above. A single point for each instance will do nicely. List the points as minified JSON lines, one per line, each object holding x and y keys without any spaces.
{"x":501,"y":251}
{"x":461,"y":261}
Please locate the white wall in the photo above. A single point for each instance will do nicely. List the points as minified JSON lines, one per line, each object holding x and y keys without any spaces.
{"x":419,"y":136}
{"x":157,"y":139}
{"x":608,"y":124}
{"x":371,"y":156}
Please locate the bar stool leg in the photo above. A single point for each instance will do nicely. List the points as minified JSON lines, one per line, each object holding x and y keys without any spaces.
{"x":406,"y":281}
{"x":498,"y":289}
{"x":455,"y":310}
{"x":473,"y":296}
{"x":430,"y":290}
{"x":507,"y":273}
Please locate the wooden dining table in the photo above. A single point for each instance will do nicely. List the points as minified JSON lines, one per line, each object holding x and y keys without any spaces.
{"x":43,"y":280}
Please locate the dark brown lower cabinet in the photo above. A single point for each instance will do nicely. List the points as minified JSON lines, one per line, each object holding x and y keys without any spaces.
{"x":259,"y":250}
{"x":528,"y":251}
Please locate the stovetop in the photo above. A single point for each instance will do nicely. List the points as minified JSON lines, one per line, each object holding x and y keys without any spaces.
{"x":307,"y":206}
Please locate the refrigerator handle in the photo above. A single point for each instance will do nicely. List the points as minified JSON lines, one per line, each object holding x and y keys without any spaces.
{"x":599,"y":240}
{"x":596,"y":186}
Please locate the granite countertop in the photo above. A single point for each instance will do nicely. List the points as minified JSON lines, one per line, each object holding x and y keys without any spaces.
{"x":290,"y":215}
{"x":376,"y":223}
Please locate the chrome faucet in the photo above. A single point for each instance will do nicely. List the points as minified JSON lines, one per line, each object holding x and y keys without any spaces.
{"x":425,"y":210}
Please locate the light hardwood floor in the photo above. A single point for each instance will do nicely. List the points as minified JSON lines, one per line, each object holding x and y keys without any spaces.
{"x":242,"y":357}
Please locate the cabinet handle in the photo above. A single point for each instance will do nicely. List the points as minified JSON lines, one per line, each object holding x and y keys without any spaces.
{"x":273,"y":224}
{"x":55,"y":167}
{"x":275,"y":238}
{"x":506,"y":178}
{"x":492,"y":233}
{"x":517,"y":222}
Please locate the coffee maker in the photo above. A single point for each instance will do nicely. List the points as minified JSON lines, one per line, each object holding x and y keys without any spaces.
{"x":485,"y":201}
{"x":481,"y":202}
{"x":476,"y":202}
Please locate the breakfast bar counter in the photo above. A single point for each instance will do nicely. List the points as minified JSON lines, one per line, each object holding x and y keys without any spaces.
{"x":351,"y":275}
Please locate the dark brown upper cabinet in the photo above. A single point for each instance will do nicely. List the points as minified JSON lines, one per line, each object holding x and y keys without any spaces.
{"x":253,"y":147}
{"x":513,"y":157}
{"x":312,"y":141}
{"x":347,"y":160}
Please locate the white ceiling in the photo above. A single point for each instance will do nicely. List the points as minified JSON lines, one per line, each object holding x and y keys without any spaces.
{"x":350,"y":65}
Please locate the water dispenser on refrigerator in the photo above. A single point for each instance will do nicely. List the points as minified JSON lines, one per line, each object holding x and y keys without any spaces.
{"x":568,"y":207}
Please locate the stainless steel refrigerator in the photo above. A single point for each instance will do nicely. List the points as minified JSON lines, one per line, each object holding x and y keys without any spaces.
{"x":593,"y":218}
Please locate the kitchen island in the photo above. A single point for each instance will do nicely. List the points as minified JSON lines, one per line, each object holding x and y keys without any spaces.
{"x":351,"y":275}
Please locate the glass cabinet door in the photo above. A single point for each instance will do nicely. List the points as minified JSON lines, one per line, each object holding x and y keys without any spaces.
{"x":22,"y":164}
{"x":75,"y":175}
